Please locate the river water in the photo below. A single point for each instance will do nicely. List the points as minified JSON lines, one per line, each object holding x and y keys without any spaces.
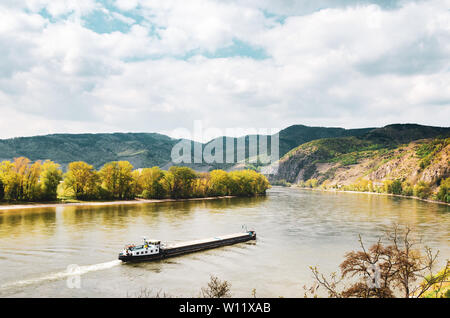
{"x":72,"y":251}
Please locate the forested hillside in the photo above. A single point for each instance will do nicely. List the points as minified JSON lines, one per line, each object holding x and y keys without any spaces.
{"x":398,"y":159}
{"x":140,"y":149}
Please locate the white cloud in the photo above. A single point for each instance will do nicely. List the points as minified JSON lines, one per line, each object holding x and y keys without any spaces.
{"x":59,"y":7}
{"x":201,"y":24}
{"x":126,"y":5}
{"x":122,"y":18}
{"x":350,"y":66}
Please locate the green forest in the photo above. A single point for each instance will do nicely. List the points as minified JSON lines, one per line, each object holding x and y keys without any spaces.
{"x":24,"y":181}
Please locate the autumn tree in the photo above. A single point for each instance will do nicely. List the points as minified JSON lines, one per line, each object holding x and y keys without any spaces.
{"x":168,"y":183}
{"x":262,"y":184}
{"x":82,"y":180}
{"x":183,"y":178}
{"x":117,"y":178}
{"x":51,"y":176}
{"x":201,"y":185}
{"x":152,"y":185}
{"x":136,"y":184}
{"x":242,"y":183}
{"x":11,"y":181}
{"x":221,"y":182}
{"x":248,"y":183}
{"x":126,"y":180}
{"x":20,"y":167}
{"x":20,"y":179}
{"x":31,"y":188}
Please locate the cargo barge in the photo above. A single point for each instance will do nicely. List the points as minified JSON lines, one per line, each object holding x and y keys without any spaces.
{"x":152,"y":250}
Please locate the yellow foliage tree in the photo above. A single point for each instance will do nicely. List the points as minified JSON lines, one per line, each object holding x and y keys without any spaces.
{"x":83,"y":180}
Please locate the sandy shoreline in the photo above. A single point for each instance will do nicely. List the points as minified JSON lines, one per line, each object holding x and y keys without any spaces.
{"x":106,"y":203}
{"x":377,"y":193}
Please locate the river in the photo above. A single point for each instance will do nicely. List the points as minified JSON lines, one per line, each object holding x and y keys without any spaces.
{"x":72,"y":251}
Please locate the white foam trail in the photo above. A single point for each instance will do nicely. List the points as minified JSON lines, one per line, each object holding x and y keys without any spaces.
{"x":72,"y":271}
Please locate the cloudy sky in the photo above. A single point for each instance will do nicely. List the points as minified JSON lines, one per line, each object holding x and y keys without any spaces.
{"x":158,"y":65}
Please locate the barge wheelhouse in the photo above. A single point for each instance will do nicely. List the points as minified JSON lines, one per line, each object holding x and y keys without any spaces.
{"x":149,"y":250}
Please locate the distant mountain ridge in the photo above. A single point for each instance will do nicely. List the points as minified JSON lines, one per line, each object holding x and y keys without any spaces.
{"x":141,"y":149}
{"x":403,"y":133}
{"x":152,"y":149}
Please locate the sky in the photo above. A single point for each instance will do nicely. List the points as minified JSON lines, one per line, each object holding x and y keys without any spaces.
{"x":90,"y":66}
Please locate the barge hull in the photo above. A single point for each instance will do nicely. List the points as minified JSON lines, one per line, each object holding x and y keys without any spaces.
{"x":144,"y":258}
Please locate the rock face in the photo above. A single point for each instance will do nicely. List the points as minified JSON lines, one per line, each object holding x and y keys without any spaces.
{"x":404,"y":162}
{"x":439,"y":167}
{"x":300,"y":166}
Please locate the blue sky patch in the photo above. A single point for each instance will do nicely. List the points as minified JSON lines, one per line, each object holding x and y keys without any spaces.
{"x":237,"y":49}
{"x":101,"y":22}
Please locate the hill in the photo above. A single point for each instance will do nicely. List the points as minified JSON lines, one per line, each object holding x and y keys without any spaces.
{"x":408,"y":153}
{"x":141,"y":149}
{"x":151,"y":149}
{"x":296,"y":135}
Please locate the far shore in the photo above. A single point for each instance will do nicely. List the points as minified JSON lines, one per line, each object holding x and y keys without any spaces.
{"x":377,"y":193}
{"x":4,"y":207}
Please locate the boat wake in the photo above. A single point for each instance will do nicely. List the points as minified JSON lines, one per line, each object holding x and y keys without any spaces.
{"x":72,"y":270}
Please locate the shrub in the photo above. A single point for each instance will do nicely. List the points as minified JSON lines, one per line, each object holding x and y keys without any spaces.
{"x":407,"y":189}
{"x":392,"y":186}
{"x":312,"y":183}
{"x":281,"y":182}
{"x":426,"y":152}
{"x":216,"y":289}
{"x":444,"y":191}
{"x":362,"y":185}
{"x":387,"y":185}
{"x":396,"y":187}
{"x":422,"y":190}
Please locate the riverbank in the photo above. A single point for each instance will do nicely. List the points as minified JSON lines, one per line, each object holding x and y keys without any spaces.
{"x":96,"y":203}
{"x":377,"y":193}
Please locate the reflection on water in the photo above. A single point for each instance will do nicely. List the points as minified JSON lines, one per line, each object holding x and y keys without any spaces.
{"x":295,"y":228}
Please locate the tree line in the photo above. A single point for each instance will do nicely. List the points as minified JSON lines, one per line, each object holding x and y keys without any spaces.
{"x":23,"y":180}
